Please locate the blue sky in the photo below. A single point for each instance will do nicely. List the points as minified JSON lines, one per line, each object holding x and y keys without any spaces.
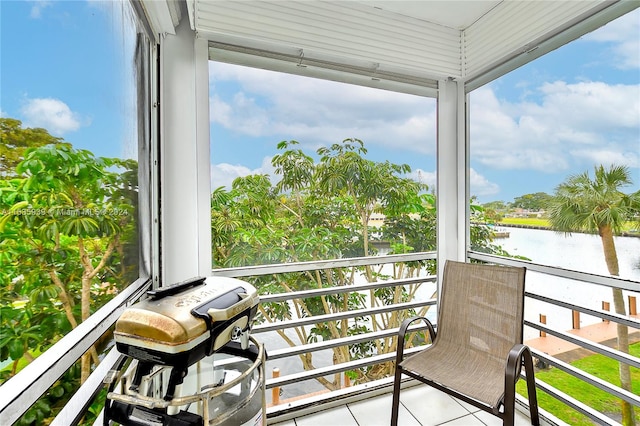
{"x":60,"y":72}
{"x":577,"y":107}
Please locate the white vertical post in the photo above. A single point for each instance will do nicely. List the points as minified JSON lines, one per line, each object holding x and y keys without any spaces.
{"x":203,"y":157}
{"x":185,"y":182}
{"x":452,"y":173}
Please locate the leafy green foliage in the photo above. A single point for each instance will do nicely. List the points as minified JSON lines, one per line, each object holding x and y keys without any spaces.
{"x":584,"y":204}
{"x":322,"y":210}
{"x":68,"y":242}
{"x":53,"y":401}
{"x":599,"y":205}
{"x":14,"y":141}
{"x":532,"y":202}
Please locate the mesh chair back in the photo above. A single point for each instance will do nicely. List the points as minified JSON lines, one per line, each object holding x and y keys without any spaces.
{"x":477,"y":352}
{"x":481,"y":308}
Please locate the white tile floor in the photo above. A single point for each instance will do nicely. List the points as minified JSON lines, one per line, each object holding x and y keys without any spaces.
{"x":420,"y":405}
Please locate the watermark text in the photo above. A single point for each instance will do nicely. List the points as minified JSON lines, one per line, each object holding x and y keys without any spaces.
{"x":68,"y":212}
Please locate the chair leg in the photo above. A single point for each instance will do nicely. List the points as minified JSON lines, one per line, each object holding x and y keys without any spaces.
{"x":520,"y":354}
{"x":510,"y":379}
{"x":395,"y":405}
{"x":531,"y":388}
{"x":509,"y":409}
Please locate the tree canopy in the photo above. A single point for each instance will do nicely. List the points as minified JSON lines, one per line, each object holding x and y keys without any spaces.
{"x":598,"y":205}
{"x":322,"y":210}
{"x":68,"y":242}
{"x":532,"y":202}
{"x":15,"y":140}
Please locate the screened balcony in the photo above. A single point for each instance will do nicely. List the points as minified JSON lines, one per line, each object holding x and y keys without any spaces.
{"x":441,"y":50}
{"x":294,"y":396}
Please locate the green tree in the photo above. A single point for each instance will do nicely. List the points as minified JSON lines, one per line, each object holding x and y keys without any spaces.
{"x":496,"y":205}
{"x":312,"y":213}
{"x":494,"y":211}
{"x":598,"y":205}
{"x":321,"y":211}
{"x":371,"y":185}
{"x":532,"y":202}
{"x":64,"y":217}
{"x":15,"y":140}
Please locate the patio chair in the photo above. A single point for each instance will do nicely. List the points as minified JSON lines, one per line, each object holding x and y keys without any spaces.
{"x":477,"y":352}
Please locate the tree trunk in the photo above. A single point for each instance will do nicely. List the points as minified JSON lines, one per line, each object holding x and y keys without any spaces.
{"x":611,"y":257}
{"x":64,"y":298}
{"x":628,"y":415}
{"x":365,"y":232}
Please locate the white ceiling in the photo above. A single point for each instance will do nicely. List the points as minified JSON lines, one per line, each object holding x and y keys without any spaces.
{"x":402,"y":45}
{"x":458,"y":14}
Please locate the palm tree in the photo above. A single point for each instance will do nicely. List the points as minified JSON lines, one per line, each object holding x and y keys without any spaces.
{"x":598,"y":205}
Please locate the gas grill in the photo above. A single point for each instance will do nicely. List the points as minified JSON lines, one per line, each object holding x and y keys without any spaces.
{"x":175,"y":328}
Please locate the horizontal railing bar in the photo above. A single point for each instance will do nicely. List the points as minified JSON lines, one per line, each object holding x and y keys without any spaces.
{"x":250,"y":271}
{"x":288,"y":410}
{"x":335,"y":343}
{"x":608,"y":281}
{"x":280,"y":297}
{"x":594,"y":415}
{"x":336,"y":368}
{"x":263,"y":328}
{"x":588,"y":378}
{"x":75,"y":408}
{"x":585,"y":343}
{"x":621,"y":319}
{"x":22,"y":390}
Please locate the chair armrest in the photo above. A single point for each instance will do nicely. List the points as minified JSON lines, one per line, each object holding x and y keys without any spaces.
{"x":403,"y":331}
{"x":520,"y":355}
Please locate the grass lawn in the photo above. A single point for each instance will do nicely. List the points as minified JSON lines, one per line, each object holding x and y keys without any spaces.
{"x":597,"y":365}
{"x":529,"y":221}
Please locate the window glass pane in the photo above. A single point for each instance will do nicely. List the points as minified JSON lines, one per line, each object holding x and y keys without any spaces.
{"x":565,"y":114}
{"x":333,"y":188}
{"x":68,"y":168}
{"x":336,"y":179}
{"x":545,"y":139}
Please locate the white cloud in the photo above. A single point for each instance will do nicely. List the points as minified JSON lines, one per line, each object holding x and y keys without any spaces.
{"x":590,"y":106}
{"x":570,"y":122}
{"x":317,"y":112}
{"x":608,"y":156}
{"x":480,"y":185}
{"x":37,"y":6}
{"x":220,"y":112}
{"x":242,"y":115}
{"x":223,"y":174}
{"x":556,"y":127}
{"x":422,"y":176}
{"x":51,"y":114}
{"x":623,"y":36}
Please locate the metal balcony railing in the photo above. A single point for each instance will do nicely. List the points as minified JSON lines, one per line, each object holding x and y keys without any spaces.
{"x":596,"y":347}
{"x":24,"y":389}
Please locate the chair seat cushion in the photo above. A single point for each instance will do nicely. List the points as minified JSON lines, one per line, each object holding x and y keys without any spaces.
{"x":471,"y":372}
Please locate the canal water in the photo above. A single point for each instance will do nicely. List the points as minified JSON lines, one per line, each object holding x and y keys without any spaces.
{"x":581,"y":252}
